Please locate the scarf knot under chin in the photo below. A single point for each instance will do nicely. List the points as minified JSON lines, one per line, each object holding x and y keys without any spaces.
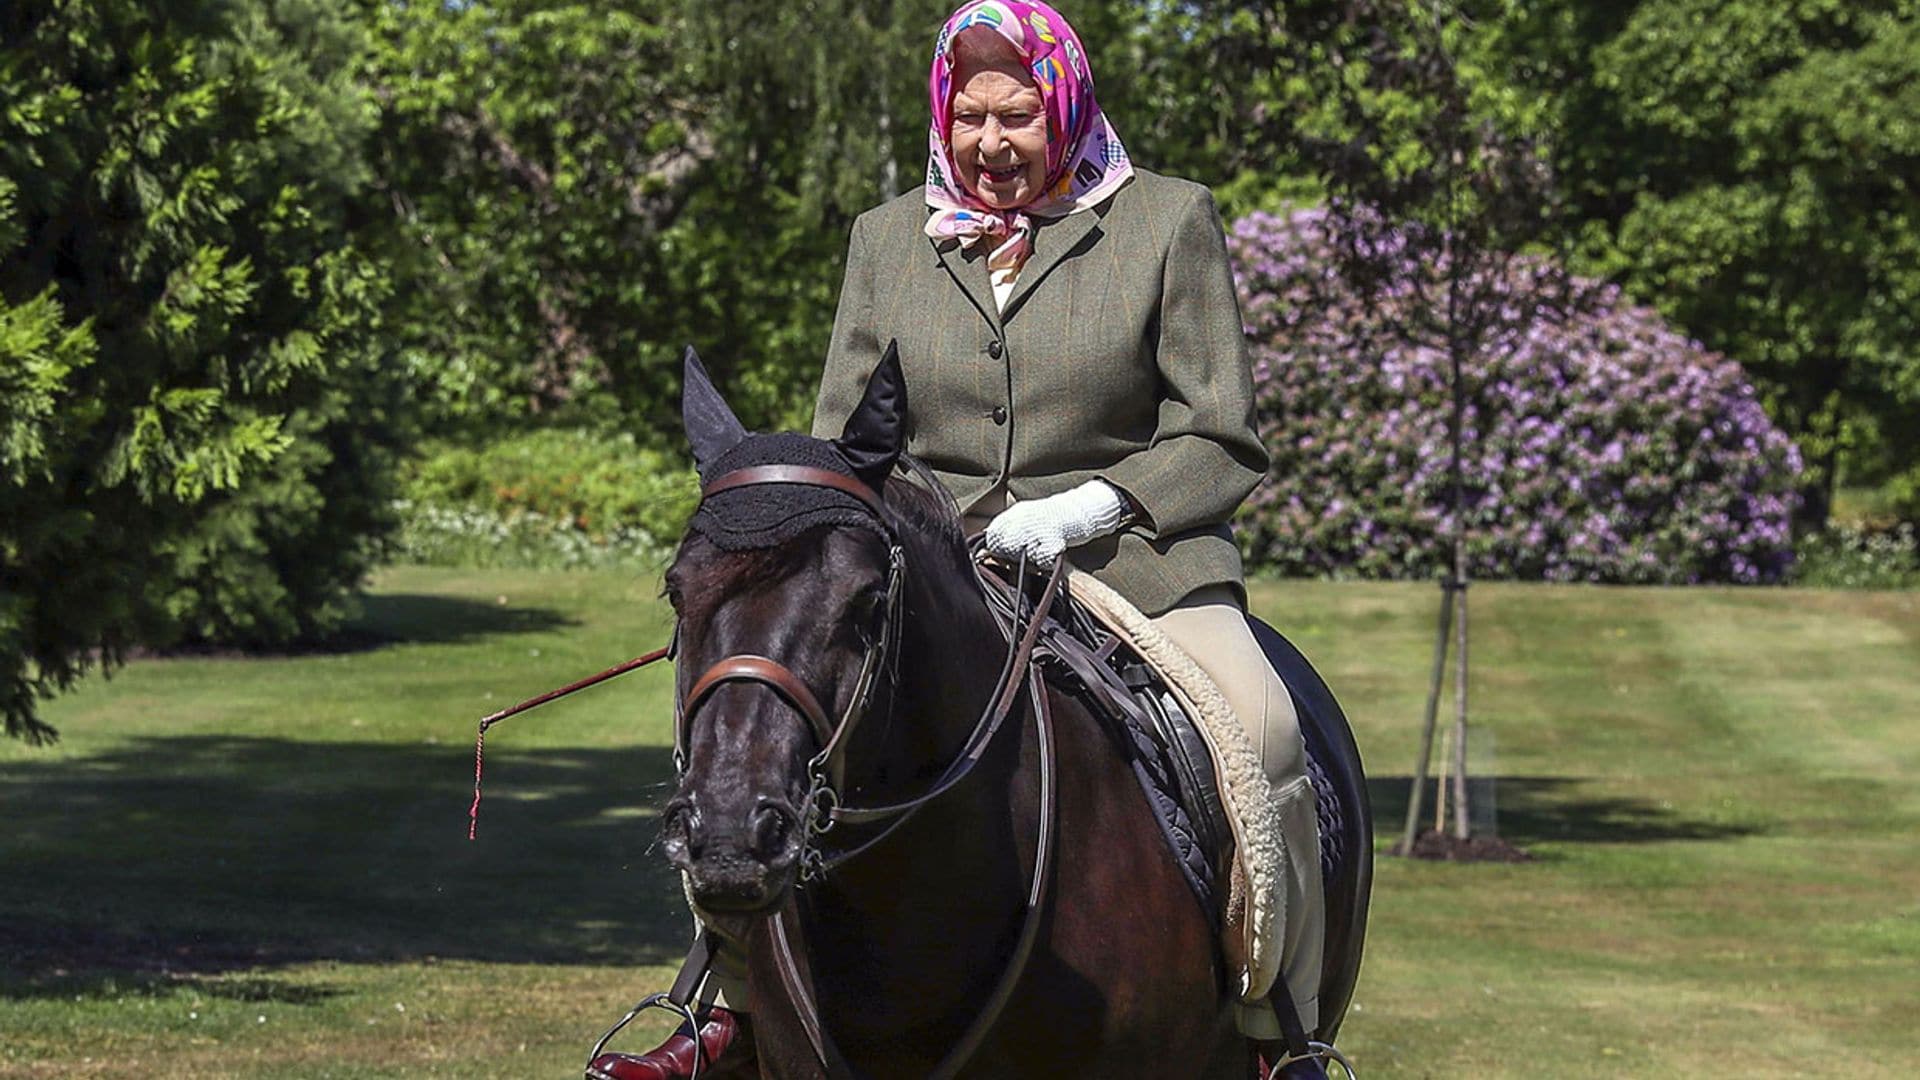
{"x":1085,"y":159}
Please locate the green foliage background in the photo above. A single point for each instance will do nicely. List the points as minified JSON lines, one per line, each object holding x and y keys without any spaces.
{"x":254,"y":250}
{"x":198,"y":416}
{"x":1748,"y":168}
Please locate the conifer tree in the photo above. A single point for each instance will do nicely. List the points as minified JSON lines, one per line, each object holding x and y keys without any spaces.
{"x":195,"y":416}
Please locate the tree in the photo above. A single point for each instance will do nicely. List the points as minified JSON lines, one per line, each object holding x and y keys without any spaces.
{"x":1189,"y":86}
{"x":197,"y":415}
{"x":1749,"y":168}
{"x":530,"y":158}
{"x":1437,"y":180}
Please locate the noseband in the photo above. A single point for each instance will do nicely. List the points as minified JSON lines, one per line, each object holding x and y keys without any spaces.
{"x":826,"y":769}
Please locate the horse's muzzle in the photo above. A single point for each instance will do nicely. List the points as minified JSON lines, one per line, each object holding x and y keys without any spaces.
{"x":739,"y":867}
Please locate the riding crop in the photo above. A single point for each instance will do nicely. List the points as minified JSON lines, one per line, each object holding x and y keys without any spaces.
{"x":480,"y":738}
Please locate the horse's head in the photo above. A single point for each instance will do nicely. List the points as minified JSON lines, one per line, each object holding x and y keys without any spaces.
{"x":795,"y":573}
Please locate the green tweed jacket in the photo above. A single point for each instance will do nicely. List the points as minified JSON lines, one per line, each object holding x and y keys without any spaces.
{"x":1119,"y":356}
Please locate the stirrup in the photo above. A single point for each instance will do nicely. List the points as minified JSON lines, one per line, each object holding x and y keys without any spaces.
{"x":682,"y":1000}
{"x":1297,"y":1044}
{"x":1317,"y":1051}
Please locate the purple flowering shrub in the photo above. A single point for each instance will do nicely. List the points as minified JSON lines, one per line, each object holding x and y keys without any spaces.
{"x":1606,"y":447}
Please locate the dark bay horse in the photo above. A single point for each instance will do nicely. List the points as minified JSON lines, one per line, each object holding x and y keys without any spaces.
{"x":904,"y":943}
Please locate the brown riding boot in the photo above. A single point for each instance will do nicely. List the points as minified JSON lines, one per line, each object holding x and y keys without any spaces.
{"x":726,"y":1045}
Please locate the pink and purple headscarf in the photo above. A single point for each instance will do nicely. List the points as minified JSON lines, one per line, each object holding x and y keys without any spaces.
{"x":1085,"y":160}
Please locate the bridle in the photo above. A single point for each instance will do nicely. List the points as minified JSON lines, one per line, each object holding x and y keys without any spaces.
{"x":826,"y":769}
{"x":824,"y":807}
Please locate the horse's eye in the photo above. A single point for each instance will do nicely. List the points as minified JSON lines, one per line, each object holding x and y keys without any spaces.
{"x":869,"y":611}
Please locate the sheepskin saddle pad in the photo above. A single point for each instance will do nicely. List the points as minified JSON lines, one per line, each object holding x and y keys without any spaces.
{"x":1192,"y":758}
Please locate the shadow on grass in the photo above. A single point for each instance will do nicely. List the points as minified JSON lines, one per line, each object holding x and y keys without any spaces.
{"x":1533,"y":809}
{"x":425,"y":618}
{"x":197,"y":856}
{"x":391,"y":619}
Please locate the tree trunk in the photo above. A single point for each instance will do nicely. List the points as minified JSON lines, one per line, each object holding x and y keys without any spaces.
{"x":1462,"y":823}
{"x":1417,"y":792}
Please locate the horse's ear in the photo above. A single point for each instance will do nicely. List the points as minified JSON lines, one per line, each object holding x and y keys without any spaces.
{"x":876,"y":433}
{"x":712,"y":429}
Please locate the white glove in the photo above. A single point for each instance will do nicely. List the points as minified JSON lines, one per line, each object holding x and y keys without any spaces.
{"x":1044,"y":528}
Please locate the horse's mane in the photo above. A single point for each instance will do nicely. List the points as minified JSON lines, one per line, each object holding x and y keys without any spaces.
{"x":923,"y":503}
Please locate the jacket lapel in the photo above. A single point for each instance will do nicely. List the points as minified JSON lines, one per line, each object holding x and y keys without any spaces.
{"x":1052,"y":242}
{"x":971,"y":276}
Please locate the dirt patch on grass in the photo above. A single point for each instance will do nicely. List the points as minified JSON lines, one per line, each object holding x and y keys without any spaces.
{"x":1447,"y":848}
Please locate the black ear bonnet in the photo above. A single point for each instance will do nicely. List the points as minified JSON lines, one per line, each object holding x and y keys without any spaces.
{"x":763,"y":515}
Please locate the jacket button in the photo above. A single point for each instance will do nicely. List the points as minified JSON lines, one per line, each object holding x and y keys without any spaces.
{"x":994,"y":348}
{"x":999,"y":414}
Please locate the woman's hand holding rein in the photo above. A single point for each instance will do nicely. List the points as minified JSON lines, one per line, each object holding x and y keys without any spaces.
{"x":1043,"y":529}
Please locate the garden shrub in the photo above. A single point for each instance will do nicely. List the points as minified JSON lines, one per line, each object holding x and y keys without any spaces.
{"x":484,"y":538}
{"x":1605,"y":447}
{"x":554,"y":497}
{"x":1850,"y":556}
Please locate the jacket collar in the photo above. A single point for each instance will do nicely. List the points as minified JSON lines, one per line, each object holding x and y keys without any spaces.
{"x":1053,"y":241}
{"x":971,"y":275}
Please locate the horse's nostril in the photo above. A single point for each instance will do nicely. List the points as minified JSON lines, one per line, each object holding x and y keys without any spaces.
{"x":771,"y":823}
{"x":677,"y":826}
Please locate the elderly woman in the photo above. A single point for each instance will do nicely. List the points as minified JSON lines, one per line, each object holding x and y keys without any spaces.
{"x":1068,"y":327}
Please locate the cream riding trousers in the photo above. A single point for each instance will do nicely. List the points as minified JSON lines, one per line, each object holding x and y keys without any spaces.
{"x":1211,"y":627}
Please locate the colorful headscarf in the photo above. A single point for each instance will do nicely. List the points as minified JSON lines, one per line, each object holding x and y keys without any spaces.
{"x":1085,"y":160}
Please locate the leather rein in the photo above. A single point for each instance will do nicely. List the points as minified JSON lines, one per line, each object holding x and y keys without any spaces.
{"x":824,"y":807}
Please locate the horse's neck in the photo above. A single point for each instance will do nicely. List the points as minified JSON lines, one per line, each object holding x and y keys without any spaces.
{"x":953,"y":878}
{"x":951,"y":650}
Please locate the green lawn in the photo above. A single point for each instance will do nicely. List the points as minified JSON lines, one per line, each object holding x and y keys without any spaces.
{"x":259,"y":867}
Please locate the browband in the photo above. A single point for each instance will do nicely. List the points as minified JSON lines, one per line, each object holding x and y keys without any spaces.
{"x":797,"y":474}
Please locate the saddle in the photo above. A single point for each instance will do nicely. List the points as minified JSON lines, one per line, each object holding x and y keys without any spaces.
{"x":1169,"y":756}
{"x":1096,"y":647}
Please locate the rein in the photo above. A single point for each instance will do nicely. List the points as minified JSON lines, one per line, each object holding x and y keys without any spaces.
{"x":824,"y":808}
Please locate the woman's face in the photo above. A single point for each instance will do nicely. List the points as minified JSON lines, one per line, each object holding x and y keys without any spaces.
{"x":999,"y":135}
